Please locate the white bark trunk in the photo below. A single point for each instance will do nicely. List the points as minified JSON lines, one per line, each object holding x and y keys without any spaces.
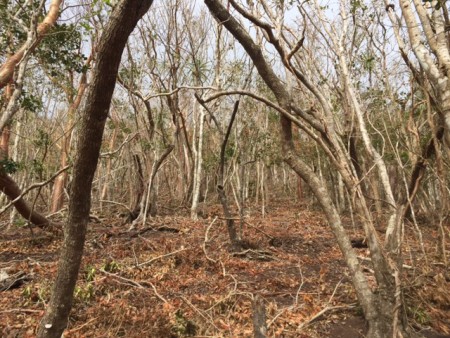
{"x":197,"y":146}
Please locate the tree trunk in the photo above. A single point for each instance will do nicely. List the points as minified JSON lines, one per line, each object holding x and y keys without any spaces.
{"x":197,"y":145}
{"x":259,"y":318}
{"x":61,"y":180}
{"x":231,"y":227}
{"x":93,"y":117}
{"x":9,"y":187}
{"x":138,"y":191}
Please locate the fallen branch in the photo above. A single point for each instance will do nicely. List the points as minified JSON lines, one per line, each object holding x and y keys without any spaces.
{"x":21,"y":310}
{"x":367,"y":259}
{"x":135,"y":284}
{"x":160,"y":257}
{"x":206,"y":240}
{"x":322,"y":312}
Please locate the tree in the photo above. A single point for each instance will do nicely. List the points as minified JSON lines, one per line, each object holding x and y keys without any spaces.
{"x":429,"y":40}
{"x":34,"y":34}
{"x":121,"y":23}
{"x":383,"y":308}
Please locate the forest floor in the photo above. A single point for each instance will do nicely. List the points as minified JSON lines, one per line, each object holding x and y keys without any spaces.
{"x":176,"y":277}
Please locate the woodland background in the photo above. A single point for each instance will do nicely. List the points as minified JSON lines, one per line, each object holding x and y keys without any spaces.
{"x":240,"y":159}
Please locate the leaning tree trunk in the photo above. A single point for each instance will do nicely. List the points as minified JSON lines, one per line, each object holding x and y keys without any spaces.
{"x":13,"y":192}
{"x":93,"y":117}
{"x":10,"y":188}
{"x":231,"y":227}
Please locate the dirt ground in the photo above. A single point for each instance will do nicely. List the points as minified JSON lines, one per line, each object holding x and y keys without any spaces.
{"x":176,"y":277}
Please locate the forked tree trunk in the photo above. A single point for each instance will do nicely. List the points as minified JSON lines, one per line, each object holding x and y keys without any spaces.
{"x":121,"y":23}
{"x":150,"y":199}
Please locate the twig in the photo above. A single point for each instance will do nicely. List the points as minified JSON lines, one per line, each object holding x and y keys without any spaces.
{"x":157,"y":293}
{"x":296,"y":299}
{"x":257,"y":229}
{"x":334,"y":291}
{"x":21,"y":310}
{"x":322,"y":312}
{"x":207,"y":239}
{"x":135,"y":284}
{"x":367,"y":259}
{"x":162,"y":256}
{"x":80,"y":327}
{"x":276,"y":316}
{"x":259,"y":254}
{"x":117,"y":203}
{"x":111,"y":153}
{"x":301,"y":284}
{"x":132,"y":282}
{"x":149,"y":96}
{"x":206,"y":317}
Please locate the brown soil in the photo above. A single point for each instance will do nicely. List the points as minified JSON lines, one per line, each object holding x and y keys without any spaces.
{"x":169,"y":282}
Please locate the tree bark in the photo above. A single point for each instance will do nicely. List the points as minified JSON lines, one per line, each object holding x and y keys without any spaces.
{"x":259,"y":318}
{"x":93,"y":117}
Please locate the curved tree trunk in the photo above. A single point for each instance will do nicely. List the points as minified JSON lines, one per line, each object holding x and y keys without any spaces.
{"x":93,"y":117}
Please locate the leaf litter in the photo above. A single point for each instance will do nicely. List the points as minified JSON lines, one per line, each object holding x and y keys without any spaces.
{"x":176,"y":277}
